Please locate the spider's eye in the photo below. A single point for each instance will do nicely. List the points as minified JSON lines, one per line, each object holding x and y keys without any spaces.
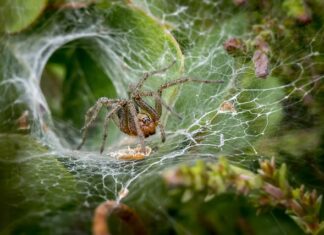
{"x":146,"y":119}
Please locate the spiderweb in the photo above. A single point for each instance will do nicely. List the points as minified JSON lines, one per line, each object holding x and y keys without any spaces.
{"x":218,"y":119}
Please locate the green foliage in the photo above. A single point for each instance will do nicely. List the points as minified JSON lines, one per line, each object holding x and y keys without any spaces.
{"x":11,"y":18}
{"x":33,"y":182}
{"x":296,"y":9}
{"x":268,"y":188}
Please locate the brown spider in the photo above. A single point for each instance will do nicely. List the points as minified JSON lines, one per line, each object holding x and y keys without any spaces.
{"x":134,"y":116}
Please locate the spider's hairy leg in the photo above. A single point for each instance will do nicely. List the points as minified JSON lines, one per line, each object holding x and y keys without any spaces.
{"x":161,"y":127}
{"x":107,"y":118}
{"x":159,"y":102}
{"x":149,"y":74}
{"x":158,"y":94}
{"x":146,"y":107}
{"x":184,"y":80}
{"x":133,"y":113}
{"x":92,"y":114}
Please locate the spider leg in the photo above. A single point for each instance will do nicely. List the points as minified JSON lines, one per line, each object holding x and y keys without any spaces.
{"x":184,"y":80}
{"x":158,"y":97}
{"x":161,"y":127}
{"x":149,"y":74}
{"x":146,"y":107}
{"x":159,"y":102}
{"x":133,"y":113}
{"x":92,"y":114}
{"x":107,"y":118}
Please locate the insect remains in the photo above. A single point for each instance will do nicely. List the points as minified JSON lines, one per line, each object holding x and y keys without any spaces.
{"x":134,"y":116}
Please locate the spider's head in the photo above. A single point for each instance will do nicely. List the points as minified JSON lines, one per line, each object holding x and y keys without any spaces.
{"x":148,"y":126}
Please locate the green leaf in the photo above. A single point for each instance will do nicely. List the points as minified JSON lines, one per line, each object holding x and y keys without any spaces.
{"x":16,"y":15}
{"x":84,"y":83}
{"x":260,"y":103}
{"x":318,"y":205}
{"x":294,"y":8}
{"x":10,"y":91}
{"x":35,"y":181}
{"x":282,"y":178}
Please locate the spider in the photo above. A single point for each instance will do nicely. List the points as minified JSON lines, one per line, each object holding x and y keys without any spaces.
{"x":134,"y":116}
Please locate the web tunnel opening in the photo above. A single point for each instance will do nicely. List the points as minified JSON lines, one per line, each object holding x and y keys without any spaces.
{"x":72,"y":82}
